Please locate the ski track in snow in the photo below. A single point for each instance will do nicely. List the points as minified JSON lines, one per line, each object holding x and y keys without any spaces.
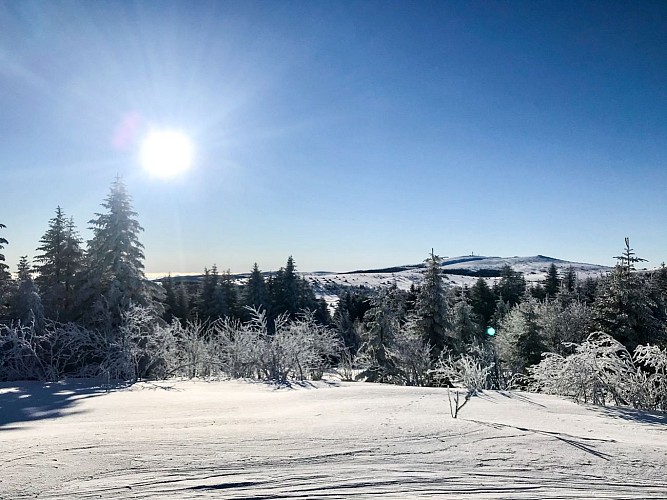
{"x":253,"y":441}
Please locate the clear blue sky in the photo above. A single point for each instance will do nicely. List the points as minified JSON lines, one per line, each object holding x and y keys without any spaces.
{"x":348,"y":134}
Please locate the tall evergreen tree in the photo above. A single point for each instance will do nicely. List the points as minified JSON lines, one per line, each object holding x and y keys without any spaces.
{"x":464,"y":323}
{"x":26,"y":303}
{"x":551,"y":282}
{"x":59,"y":265}
{"x":626,"y":305}
{"x":483,"y":301}
{"x":511,"y":286}
{"x":256,"y":295}
{"x":211,"y":303}
{"x":4,"y":268}
{"x":5,"y":277}
{"x":432,"y":311}
{"x":114,"y":261}
{"x":570,"y":280}
{"x":378,"y":335}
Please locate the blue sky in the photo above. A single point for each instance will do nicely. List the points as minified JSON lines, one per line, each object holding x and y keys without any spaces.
{"x":347,"y":134}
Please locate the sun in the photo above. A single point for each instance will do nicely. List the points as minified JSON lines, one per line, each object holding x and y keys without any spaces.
{"x":166,"y":153}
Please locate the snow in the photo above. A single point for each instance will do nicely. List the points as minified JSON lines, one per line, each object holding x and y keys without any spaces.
{"x":329,"y":285}
{"x":233,"y":439}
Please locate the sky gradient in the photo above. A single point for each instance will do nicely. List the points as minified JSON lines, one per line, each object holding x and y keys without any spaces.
{"x":347,"y":134}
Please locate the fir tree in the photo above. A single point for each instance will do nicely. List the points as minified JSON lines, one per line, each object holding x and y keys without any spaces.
{"x":60,"y":262}
{"x":381,"y":326}
{"x":26,"y":303}
{"x":211,"y":303}
{"x":570,"y":280}
{"x":511,"y":286}
{"x":626,"y":305}
{"x":5,"y":277}
{"x":4,"y":268}
{"x":114,"y":261}
{"x":551,"y":282}
{"x":483,"y":301}
{"x":464,"y":323}
{"x":256,"y":295}
{"x":432,"y":311}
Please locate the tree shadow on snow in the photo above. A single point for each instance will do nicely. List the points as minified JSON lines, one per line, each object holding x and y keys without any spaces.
{"x":22,"y":402}
{"x":632,"y":415}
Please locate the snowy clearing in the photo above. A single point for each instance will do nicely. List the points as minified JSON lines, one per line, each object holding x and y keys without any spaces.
{"x":230,"y":439}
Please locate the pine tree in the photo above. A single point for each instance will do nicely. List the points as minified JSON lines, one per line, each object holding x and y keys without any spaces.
{"x":626,"y":305}
{"x":432,"y":311}
{"x":5,"y":277}
{"x":483,"y":301}
{"x":60,"y":262}
{"x":26,"y":303}
{"x":570,"y":280}
{"x":114,"y":261}
{"x":211,"y":303}
{"x":552,"y":282}
{"x":511,"y":286}
{"x":381,"y":325}
{"x":4,"y":268}
{"x":256,"y":295}
{"x":464,"y":323}
{"x":520,"y":338}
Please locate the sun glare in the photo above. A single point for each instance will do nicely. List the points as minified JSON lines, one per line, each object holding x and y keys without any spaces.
{"x":166,"y":153}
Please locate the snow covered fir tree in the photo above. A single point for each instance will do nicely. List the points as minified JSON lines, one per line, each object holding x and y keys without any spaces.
{"x":91,"y":311}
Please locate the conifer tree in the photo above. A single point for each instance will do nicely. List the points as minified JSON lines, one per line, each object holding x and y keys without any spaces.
{"x":511,"y":286}
{"x":4,"y":268}
{"x":26,"y":303}
{"x":551,"y":282}
{"x":464,"y":323}
{"x":483,"y":301}
{"x":211,"y":303}
{"x":381,"y":325}
{"x":59,"y":265}
{"x":256,"y":295}
{"x":114,"y":261}
{"x":5,"y":277}
{"x":432,"y":310}
{"x":626,"y":307}
{"x":570,"y":280}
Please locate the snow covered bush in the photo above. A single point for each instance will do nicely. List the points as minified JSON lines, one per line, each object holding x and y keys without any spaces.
{"x":411,"y":355}
{"x":48,"y":353}
{"x":465,"y":371}
{"x":653,"y":376}
{"x":141,"y":347}
{"x":601,"y":371}
{"x":299,"y":348}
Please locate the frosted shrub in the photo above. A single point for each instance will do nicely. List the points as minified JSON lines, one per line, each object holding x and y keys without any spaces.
{"x":194,"y":352}
{"x":412,"y":358}
{"x":50,"y":353}
{"x":466,"y":371}
{"x":653,"y":383}
{"x":18,"y":358}
{"x":237,"y":346}
{"x":601,"y":370}
{"x":141,"y":347}
{"x":299,"y":348}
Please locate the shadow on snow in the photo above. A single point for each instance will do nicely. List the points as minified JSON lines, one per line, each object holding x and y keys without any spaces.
{"x":22,"y":402}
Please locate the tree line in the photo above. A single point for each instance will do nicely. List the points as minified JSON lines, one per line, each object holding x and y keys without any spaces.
{"x":90,"y":310}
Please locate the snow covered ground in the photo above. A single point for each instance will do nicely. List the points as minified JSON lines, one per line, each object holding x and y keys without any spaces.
{"x":230,"y":439}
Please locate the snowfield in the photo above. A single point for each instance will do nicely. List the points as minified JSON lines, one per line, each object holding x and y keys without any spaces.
{"x":231,"y":439}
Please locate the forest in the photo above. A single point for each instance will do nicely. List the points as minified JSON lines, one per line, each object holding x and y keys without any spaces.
{"x":88,"y":310}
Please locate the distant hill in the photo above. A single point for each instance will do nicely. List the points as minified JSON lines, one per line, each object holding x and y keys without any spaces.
{"x":462,"y":270}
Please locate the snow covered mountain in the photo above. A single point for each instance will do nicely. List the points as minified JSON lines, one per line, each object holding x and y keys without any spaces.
{"x":463,"y":270}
